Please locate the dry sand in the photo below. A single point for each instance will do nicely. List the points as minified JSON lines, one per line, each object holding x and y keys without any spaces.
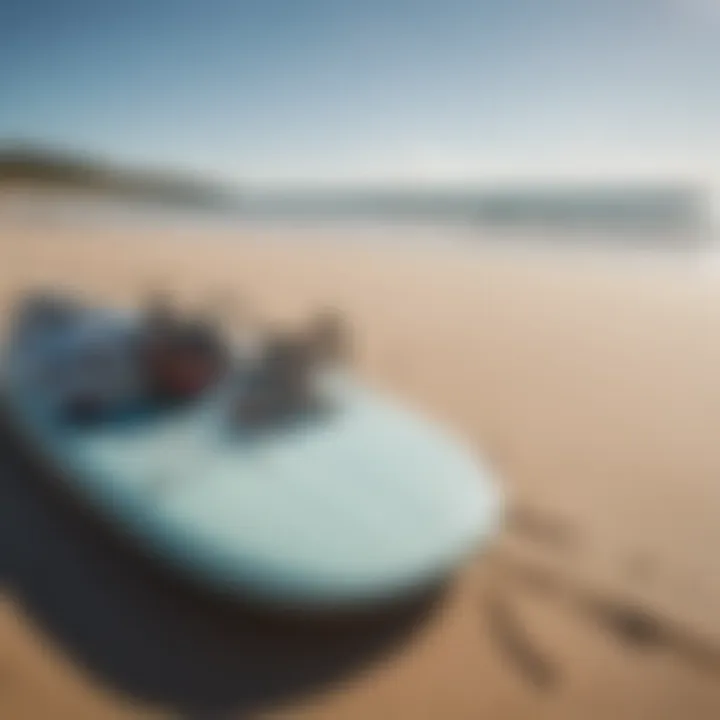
{"x":590,"y":384}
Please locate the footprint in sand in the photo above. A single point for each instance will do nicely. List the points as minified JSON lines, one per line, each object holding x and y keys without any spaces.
{"x":537,"y":527}
{"x":514,"y":640}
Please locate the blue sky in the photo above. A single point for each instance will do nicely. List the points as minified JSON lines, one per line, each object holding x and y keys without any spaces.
{"x":438,"y":91}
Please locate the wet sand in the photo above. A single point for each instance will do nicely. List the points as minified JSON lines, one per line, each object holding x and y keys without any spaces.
{"x":589,"y":384}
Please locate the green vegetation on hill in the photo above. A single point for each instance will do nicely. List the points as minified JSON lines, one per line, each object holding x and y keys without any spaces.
{"x":39,"y":167}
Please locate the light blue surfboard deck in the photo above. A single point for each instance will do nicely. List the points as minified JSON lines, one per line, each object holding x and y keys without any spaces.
{"x":366,"y":503}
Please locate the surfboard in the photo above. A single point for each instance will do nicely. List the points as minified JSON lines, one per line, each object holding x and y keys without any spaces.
{"x":365,"y":503}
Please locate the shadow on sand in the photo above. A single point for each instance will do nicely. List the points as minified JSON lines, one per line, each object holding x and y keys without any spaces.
{"x":139,"y":633}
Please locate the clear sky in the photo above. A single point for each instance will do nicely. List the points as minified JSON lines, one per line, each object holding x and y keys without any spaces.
{"x":370,"y":90}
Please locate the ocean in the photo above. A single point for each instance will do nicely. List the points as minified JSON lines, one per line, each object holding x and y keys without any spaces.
{"x":632,"y":214}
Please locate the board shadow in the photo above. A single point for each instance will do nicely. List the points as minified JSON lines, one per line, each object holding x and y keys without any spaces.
{"x":138,"y":632}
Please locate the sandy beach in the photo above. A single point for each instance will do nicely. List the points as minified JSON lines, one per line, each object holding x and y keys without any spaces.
{"x":588,"y":382}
